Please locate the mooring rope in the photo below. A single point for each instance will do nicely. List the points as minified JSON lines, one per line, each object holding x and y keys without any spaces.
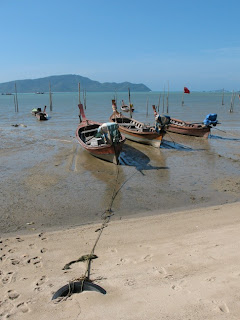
{"x":106,"y":216}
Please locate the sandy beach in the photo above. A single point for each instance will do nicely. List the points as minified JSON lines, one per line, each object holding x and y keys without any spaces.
{"x":183,"y":265}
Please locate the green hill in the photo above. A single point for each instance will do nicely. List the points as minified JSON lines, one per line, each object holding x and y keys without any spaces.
{"x":68,"y":83}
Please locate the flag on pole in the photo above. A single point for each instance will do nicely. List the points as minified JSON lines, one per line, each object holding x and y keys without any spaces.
{"x":186,"y":90}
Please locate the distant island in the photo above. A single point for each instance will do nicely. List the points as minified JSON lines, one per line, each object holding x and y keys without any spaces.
{"x":68,"y":83}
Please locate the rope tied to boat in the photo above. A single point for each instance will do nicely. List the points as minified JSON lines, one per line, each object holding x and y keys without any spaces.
{"x":106,"y":216}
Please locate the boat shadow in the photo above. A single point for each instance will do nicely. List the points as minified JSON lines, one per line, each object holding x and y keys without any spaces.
{"x":223,"y":138}
{"x":133,"y":157}
{"x":174,"y":145}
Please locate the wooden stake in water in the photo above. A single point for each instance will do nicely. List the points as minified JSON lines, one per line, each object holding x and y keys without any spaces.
{"x":167,"y":97}
{"x":159,"y":99}
{"x":50,"y":97}
{"x":163,"y":99}
{"x":223,"y":98}
{"x":79,"y":97}
{"x":129,"y":101}
{"x":16,"y":99}
{"x":115,"y":96}
{"x":232,"y":102}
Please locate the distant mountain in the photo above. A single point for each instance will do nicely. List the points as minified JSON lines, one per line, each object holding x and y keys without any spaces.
{"x":68,"y":83}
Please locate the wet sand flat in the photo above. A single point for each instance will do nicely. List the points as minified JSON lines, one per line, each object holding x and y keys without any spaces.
{"x":53,"y":183}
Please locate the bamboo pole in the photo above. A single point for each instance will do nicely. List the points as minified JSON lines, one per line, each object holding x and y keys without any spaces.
{"x":167,"y":97}
{"x":159,"y":100}
{"x":116,"y":96}
{"x":223,"y":98}
{"x":163,"y":98}
{"x":79,"y":97}
{"x":85,"y":99}
{"x":50,"y":96}
{"x":16,"y":99}
{"x":129,"y":101}
{"x":232,"y":102}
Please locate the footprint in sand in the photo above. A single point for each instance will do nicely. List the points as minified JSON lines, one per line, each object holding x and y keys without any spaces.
{"x":176,"y":287}
{"x":36,"y":261}
{"x":148,"y":258}
{"x":130,"y":282}
{"x":40,"y":282}
{"x":8,"y":278}
{"x":41,"y":236}
{"x":13,"y":294}
{"x":15,"y":261}
{"x":3,"y":257}
{"x":12,"y":250}
{"x":5,"y":308}
{"x":221,"y":306}
{"x":212,"y":279}
{"x":23,"y":307}
{"x":159,"y":271}
{"x":124,"y":261}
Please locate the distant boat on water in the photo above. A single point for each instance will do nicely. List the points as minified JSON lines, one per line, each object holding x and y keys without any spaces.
{"x":40,"y":115}
{"x":129,"y":107}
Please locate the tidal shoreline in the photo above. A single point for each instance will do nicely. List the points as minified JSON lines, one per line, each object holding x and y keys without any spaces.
{"x":53,"y":184}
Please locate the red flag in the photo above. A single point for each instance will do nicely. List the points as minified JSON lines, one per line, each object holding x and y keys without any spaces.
{"x":186,"y":90}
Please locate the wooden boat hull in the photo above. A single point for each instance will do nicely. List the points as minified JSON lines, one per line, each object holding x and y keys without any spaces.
{"x":108,"y":152}
{"x":126,"y":108}
{"x":129,"y":127}
{"x":187,"y":128}
{"x":41,"y":116}
{"x":153,"y":139}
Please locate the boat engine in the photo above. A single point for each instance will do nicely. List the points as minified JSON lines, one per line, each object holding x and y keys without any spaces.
{"x":211,"y":119}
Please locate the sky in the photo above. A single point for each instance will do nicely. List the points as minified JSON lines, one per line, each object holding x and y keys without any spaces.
{"x":158,"y":43}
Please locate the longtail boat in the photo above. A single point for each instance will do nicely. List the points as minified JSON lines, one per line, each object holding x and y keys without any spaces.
{"x":35,"y":111}
{"x":126,"y":108}
{"x":129,"y":107}
{"x":137,"y":131}
{"x":102,"y":140}
{"x":42,"y":115}
{"x":193,"y":129}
